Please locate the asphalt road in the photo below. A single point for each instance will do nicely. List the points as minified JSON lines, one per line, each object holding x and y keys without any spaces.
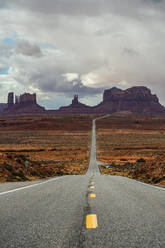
{"x":65,"y":212}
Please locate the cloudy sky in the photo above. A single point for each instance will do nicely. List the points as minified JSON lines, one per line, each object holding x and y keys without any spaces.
{"x":57,"y":48}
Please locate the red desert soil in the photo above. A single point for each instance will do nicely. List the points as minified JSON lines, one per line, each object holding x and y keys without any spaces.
{"x":134,"y":146}
{"x":53,"y":146}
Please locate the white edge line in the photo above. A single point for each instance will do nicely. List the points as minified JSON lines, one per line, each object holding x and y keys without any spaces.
{"x":146,"y":184}
{"x":29,"y":186}
{"x":153,"y":186}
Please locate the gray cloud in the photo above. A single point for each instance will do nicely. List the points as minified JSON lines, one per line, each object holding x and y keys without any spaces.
{"x":86,"y":7}
{"x":28,"y":49}
{"x":5,"y":50}
{"x":106,"y":43}
{"x":154,"y":1}
{"x":47,"y":75}
{"x":130,"y":51}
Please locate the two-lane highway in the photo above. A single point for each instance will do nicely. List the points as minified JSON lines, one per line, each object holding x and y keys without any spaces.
{"x":82,"y":211}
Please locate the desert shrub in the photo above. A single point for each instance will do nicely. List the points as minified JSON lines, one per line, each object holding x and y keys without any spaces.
{"x":156,"y":180}
{"x":19,"y":161}
{"x":21,"y":156}
{"x":54,"y":149}
{"x":9,"y":156}
{"x":8,"y":167}
{"x":60,"y":173}
{"x":22,"y":176}
{"x":11,"y":178}
{"x":113,"y":164}
{"x":141,"y":160}
{"x":148,"y":176}
{"x":123,"y":159}
{"x":34,"y":173}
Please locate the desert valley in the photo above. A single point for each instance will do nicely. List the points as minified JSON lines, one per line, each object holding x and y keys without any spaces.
{"x":130,"y":139}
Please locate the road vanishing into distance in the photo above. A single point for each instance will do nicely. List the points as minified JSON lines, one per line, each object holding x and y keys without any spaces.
{"x":82,"y":211}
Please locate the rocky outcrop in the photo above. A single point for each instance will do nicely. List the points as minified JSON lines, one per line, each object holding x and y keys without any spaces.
{"x":136,"y":100}
{"x":24,"y":104}
{"x":2,"y":107}
{"x":138,"y":94}
{"x":75,"y":107}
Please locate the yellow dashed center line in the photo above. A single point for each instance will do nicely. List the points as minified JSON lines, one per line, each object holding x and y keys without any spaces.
{"x":92,"y":195}
{"x":92,"y":187}
{"x":91,"y":221}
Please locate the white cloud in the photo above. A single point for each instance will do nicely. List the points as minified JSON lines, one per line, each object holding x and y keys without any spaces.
{"x":95,"y":44}
{"x":71,"y":76}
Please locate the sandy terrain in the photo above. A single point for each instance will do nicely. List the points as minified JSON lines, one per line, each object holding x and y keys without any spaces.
{"x":52,"y":145}
{"x":133,"y":146}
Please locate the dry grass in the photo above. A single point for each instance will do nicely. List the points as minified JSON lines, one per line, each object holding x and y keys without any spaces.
{"x":121,"y":143}
{"x":56,"y":152}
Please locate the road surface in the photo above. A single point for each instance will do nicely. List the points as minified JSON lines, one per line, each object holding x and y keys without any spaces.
{"x":82,"y":211}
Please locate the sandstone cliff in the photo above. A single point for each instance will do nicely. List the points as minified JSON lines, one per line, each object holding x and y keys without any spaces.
{"x":136,"y":100}
{"x":2,"y":107}
{"x":76,"y":107}
{"x":24,"y":104}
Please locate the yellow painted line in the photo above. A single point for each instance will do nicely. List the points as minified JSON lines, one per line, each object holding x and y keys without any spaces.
{"x":92,"y":195}
{"x":91,"y":221}
{"x":92,"y":182}
{"x":92,"y":187}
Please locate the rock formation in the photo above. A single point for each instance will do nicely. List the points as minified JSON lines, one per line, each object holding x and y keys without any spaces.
{"x":2,"y":107}
{"x":136,"y":100}
{"x":75,"y":107}
{"x":10,"y":100}
{"x":25,"y":103}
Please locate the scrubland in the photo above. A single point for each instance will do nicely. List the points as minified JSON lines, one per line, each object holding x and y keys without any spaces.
{"x":52,"y":145}
{"x":134,"y":146}
{"x":56,"y":145}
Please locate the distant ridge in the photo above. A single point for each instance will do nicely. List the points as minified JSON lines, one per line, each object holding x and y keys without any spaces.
{"x":2,"y":107}
{"x":134,"y":100}
{"x":23,"y":104}
{"x":75,"y":106}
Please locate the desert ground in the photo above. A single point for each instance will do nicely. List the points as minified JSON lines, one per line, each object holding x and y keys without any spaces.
{"x":134,"y":146}
{"x":52,"y":145}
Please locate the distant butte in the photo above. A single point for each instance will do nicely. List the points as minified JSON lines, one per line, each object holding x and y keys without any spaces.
{"x":23,"y":104}
{"x":75,"y":107}
{"x":135,"y":100}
